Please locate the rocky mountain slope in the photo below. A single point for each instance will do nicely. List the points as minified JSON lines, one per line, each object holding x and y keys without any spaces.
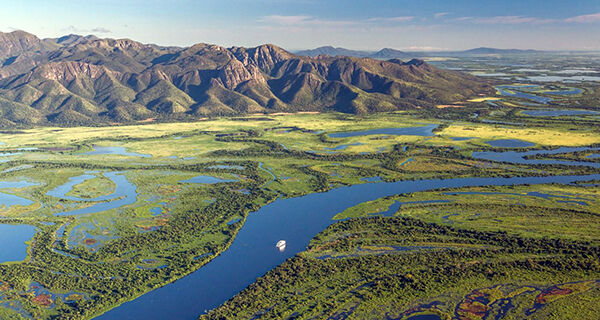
{"x":76,"y":80}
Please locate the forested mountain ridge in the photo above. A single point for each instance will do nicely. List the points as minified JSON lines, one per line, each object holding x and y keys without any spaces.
{"x":76,"y":80}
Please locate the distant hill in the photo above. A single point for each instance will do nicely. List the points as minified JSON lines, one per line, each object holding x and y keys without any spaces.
{"x":332,"y":51}
{"x":384,"y":54}
{"x":77,"y":80}
{"x":388,"y":53}
{"x":484,"y":50}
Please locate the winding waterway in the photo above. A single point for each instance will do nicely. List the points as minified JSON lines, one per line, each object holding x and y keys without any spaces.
{"x":296,"y":220}
{"x":125,"y":194}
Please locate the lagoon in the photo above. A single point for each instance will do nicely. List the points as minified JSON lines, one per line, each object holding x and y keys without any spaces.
{"x":12,"y":241}
{"x":424,"y":131}
{"x":98,"y":150}
{"x":558,"y":112}
{"x":8,"y":200}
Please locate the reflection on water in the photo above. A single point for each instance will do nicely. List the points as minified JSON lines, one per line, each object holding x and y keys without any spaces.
{"x":425,"y":131}
{"x":125,"y":194}
{"x":8,"y":200}
{"x":558,"y":112}
{"x":12,"y":241}
{"x":116,"y":151}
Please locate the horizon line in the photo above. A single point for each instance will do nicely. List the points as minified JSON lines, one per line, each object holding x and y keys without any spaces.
{"x":293,"y":50}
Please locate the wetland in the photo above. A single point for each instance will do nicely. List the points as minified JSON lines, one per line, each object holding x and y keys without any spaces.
{"x":434,"y":214}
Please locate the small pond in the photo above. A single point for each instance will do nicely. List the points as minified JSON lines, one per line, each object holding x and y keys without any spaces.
{"x":461,"y":138}
{"x":12,"y":241}
{"x":116,"y":151}
{"x":227,"y":166}
{"x":578,"y":78}
{"x":343,"y":146}
{"x":558,"y":112}
{"x":424,"y":131}
{"x":8,"y":200}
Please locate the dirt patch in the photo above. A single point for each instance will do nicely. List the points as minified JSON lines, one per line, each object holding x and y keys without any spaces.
{"x":90,"y":241}
{"x":44,"y":300}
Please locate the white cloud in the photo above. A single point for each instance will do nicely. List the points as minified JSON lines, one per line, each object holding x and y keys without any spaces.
{"x":506,"y":20}
{"x":390,"y":19}
{"x":73,"y":29}
{"x":440,"y":14}
{"x":100,"y":30}
{"x":309,"y":21}
{"x":463,"y":19}
{"x":587,"y":18}
{"x":285,"y":20}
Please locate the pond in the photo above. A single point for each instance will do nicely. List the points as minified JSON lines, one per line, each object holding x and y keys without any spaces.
{"x":510,"y":143}
{"x":227,"y":166}
{"x":567,"y":92}
{"x":371,"y":179}
{"x":8,"y":200}
{"x":424,"y":131}
{"x":116,"y":151}
{"x":497,"y":74}
{"x":519,"y":157}
{"x":12,"y":241}
{"x":558,"y":112}
{"x":8,"y":154}
{"x":343,"y":146}
{"x":296,"y":220}
{"x":461,"y":138}
{"x":578,"y":78}
{"x":575,"y":71}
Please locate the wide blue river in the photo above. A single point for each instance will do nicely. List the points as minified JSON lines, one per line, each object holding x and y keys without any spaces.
{"x":297,"y":220}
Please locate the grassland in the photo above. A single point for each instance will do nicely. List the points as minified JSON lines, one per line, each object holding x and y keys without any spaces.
{"x":539,"y":211}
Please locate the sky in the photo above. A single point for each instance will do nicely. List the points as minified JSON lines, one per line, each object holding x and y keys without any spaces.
{"x":302,"y":24}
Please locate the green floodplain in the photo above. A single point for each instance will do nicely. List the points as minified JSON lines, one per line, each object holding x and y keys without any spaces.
{"x":120,"y":211}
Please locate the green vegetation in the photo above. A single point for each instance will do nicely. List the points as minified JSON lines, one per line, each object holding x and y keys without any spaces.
{"x":398,"y":267}
{"x":543,"y":211}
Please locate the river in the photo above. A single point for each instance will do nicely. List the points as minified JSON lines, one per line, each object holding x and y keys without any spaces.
{"x":297,"y":220}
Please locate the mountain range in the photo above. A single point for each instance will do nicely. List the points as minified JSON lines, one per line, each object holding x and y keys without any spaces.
{"x":85,"y":80}
{"x":388,"y":53}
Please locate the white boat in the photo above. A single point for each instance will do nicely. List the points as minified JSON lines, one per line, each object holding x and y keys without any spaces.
{"x":280,"y":245}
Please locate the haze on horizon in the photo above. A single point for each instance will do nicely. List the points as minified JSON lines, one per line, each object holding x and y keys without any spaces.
{"x":303,"y":24}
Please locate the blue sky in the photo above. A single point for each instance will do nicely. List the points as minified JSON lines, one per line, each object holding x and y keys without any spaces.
{"x":368,"y":24}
